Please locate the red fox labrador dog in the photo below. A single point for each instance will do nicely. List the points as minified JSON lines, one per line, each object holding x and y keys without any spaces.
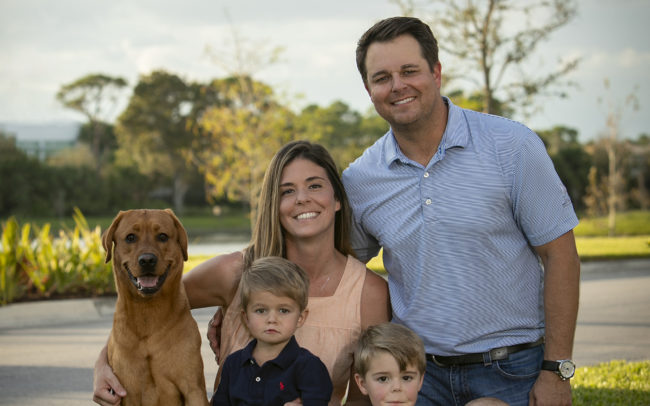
{"x":155,"y":345}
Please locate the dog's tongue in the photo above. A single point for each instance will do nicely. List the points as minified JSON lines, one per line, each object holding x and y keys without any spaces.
{"x":147,"y":281}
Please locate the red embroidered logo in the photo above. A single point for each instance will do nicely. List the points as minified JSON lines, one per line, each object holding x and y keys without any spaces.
{"x":281,"y":386}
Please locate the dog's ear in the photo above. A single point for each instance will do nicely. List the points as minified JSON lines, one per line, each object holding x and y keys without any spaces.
{"x":182,"y":234}
{"x":107,"y":236}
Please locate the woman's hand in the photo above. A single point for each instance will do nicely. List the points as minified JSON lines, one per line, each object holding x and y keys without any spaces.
{"x":107,"y":390}
{"x":214,"y":333}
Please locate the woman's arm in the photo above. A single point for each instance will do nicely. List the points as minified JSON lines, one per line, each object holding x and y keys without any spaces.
{"x":375,"y":301}
{"x":214,"y":282}
{"x":107,"y":390}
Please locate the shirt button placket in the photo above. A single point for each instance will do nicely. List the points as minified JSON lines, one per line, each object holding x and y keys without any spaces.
{"x":426,"y":189}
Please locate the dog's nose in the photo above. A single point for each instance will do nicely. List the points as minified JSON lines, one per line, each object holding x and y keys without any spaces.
{"x":147,"y":260}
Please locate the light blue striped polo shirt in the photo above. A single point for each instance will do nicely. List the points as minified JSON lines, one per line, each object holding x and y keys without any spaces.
{"x":458,"y":234}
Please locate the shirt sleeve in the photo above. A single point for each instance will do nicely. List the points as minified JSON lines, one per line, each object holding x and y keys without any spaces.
{"x":364,"y":245}
{"x":542,"y":206}
{"x":222,"y":396}
{"x":314,"y":382}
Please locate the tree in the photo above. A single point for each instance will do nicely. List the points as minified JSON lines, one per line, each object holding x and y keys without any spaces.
{"x":570,"y":159}
{"x":235,"y":139}
{"x":344,"y":132}
{"x":153,"y":131}
{"x":495,"y":38}
{"x":95,"y":96}
{"x":615,"y":177}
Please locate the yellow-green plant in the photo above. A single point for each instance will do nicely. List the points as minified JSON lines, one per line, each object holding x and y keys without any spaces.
{"x":12,"y":251}
{"x":41,"y":266}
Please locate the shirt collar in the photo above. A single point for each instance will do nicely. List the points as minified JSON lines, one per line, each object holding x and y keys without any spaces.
{"x":286,"y":357}
{"x":455,"y":135}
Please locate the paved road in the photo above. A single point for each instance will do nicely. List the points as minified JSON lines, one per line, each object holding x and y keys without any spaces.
{"x":47,"y":349}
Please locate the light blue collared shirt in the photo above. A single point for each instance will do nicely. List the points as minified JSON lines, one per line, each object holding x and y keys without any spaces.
{"x":458,"y":234}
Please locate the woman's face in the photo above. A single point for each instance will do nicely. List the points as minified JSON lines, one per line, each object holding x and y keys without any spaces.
{"x":307,"y":201}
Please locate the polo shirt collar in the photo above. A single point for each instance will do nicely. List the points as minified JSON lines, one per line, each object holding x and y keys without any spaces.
{"x":455,"y":135}
{"x":286,"y":357}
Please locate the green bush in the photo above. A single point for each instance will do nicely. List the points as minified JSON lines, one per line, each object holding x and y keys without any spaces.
{"x":38,"y":265}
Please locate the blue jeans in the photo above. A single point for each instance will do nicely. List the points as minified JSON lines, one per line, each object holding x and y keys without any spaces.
{"x":509,"y":380}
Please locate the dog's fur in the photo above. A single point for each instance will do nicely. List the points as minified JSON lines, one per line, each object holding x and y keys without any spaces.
{"x":155,"y":345}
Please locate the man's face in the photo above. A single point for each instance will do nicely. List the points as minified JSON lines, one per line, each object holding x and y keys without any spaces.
{"x":400,"y":82}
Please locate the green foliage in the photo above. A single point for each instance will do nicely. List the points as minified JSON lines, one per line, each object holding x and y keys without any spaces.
{"x":38,"y":265}
{"x":344,"y":132}
{"x":570,"y":159}
{"x":630,"y":223}
{"x":237,"y":138}
{"x":155,"y":132}
{"x":612,"y":384}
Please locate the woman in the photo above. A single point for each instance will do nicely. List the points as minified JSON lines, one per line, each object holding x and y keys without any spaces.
{"x":303,"y":215}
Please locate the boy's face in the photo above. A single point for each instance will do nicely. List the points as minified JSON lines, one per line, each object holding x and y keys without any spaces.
{"x":385,"y":384}
{"x":272,"y":319}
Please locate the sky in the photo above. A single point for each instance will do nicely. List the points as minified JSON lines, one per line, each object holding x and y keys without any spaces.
{"x":45,"y":44}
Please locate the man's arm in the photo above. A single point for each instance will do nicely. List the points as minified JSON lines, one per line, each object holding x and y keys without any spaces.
{"x":561,"y":297}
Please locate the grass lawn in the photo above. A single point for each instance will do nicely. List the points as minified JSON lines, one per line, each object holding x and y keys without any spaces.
{"x":615,"y":383}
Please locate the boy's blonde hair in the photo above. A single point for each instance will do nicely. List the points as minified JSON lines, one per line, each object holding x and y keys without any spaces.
{"x":401,"y":342}
{"x":278,"y":276}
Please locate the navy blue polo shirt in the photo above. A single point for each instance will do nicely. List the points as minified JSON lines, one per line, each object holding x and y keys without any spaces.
{"x":295,"y":373}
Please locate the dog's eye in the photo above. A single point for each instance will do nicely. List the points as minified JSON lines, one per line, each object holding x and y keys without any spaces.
{"x":130,"y":238}
{"x":163,"y":237}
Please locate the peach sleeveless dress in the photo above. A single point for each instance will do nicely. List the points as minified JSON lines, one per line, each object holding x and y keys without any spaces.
{"x":330,"y":332}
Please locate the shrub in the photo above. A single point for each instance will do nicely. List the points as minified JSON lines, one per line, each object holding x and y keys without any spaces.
{"x":39,"y":266}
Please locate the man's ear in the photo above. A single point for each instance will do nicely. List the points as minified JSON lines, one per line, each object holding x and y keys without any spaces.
{"x":361,"y":382}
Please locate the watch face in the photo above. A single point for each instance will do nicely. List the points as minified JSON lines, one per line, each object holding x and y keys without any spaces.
{"x":567,"y":369}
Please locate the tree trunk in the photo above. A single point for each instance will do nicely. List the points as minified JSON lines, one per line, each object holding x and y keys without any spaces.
{"x":613,"y":175}
{"x":180,"y":190}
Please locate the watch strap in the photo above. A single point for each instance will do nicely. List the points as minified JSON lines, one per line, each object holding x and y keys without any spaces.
{"x":550,"y":366}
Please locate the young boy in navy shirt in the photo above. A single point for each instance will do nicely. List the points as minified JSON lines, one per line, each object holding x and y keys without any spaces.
{"x":272,"y":369}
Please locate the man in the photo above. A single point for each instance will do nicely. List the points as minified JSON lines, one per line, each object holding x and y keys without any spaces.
{"x":464,"y":205}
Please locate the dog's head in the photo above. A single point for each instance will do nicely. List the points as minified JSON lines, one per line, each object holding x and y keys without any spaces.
{"x":149,"y":248}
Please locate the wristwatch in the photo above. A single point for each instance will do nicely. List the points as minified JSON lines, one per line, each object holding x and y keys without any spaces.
{"x":564,"y":368}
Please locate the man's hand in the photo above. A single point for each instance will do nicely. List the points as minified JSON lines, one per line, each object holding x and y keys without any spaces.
{"x":550,"y":390}
{"x":107,"y":390}
{"x":214,"y":333}
{"x":295,"y":402}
